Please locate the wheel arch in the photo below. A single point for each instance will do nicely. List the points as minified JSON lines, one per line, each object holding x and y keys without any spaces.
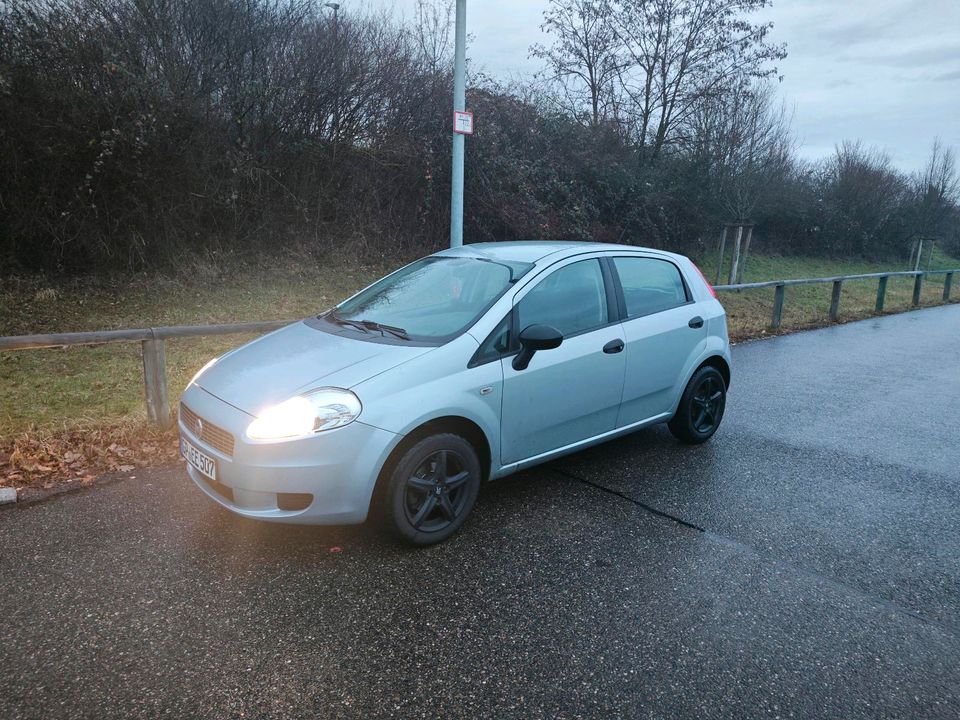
{"x":722,"y":366}
{"x":455,"y":424}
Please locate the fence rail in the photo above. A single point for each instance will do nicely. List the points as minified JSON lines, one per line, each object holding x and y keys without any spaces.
{"x":153,"y":343}
{"x":779,"y":287}
{"x":153,"y":340}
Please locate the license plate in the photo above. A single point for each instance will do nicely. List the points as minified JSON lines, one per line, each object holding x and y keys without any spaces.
{"x":200,"y":461}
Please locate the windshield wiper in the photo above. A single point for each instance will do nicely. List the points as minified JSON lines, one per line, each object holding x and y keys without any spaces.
{"x":356,"y":324}
{"x":397,"y":331}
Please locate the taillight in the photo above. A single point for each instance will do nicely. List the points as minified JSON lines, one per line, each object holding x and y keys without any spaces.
{"x":705,"y":282}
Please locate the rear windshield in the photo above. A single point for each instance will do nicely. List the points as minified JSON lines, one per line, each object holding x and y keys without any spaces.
{"x":434,"y":298}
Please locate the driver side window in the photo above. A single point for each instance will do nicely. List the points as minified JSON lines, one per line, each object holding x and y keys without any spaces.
{"x":572,"y":299}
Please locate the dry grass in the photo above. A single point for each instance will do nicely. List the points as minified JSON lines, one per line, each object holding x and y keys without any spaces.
{"x":58,"y":388}
{"x":808,"y":306}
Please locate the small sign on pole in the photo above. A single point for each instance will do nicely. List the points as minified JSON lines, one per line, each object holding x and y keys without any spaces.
{"x":463,"y":122}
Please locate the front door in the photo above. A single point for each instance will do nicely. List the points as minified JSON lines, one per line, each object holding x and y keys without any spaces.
{"x":572,"y":392}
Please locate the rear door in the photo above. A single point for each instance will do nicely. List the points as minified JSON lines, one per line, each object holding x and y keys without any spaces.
{"x":661,"y":331}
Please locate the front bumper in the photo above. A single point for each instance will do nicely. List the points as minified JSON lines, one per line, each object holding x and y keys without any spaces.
{"x":337,"y":468}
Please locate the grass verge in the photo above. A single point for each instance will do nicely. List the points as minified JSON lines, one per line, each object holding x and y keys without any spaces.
{"x":69,"y":414}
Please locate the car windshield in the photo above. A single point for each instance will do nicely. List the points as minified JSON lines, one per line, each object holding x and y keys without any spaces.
{"x":436,"y":297}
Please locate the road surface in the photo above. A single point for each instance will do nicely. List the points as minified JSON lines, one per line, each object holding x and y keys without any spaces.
{"x":804,"y":563}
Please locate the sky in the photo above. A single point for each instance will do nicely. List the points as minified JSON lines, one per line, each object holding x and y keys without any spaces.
{"x":886,"y":72}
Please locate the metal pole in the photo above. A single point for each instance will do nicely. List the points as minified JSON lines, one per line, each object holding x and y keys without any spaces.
{"x":459,"y":104}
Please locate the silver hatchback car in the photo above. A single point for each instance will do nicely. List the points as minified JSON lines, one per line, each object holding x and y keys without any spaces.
{"x":462,"y":367}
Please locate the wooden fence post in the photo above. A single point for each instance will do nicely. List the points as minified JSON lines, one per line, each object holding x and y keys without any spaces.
{"x":736,"y":254}
{"x":917,"y":289}
{"x":746,"y":254}
{"x":723,"y":247}
{"x":947,"y":282}
{"x":835,"y":299}
{"x":881,"y":293}
{"x":777,"y":306}
{"x":155,"y":382}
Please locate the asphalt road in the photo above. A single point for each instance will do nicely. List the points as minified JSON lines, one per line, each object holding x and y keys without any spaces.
{"x":804,"y":563}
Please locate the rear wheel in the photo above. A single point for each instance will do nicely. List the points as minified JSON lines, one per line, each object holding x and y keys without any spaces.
{"x":701,"y":407}
{"x":432,"y":489}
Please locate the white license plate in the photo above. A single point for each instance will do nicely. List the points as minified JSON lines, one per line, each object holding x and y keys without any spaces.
{"x":202,"y":462}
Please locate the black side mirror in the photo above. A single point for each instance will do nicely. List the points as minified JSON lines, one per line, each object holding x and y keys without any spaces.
{"x":533,"y":338}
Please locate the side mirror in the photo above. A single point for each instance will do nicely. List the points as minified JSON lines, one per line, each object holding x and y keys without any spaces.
{"x":533,"y":338}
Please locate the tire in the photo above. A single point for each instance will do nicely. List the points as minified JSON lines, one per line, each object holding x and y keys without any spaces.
{"x":701,"y":407}
{"x":432,"y":489}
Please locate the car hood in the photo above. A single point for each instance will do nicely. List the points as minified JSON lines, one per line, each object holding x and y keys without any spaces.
{"x":295,"y":359}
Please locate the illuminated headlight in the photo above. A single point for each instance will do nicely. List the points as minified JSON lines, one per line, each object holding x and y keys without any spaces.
{"x":201,"y":371}
{"x":321,"y":409}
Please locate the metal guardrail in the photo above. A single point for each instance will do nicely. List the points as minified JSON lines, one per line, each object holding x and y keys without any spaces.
{"x":779,"y":287}
{"x":153,"y":340}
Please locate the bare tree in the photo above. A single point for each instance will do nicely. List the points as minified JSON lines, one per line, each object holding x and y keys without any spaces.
{"x":433,"y":34}
{"x":744,"y":140}
{"x":864,"y":197}
{"x":681,"y":51}
{"x":584,"y":58}
{"x":936,"y":190}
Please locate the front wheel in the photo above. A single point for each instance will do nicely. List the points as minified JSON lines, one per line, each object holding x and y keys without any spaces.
{"x":701,"y":407}
{"x":432,"y":489}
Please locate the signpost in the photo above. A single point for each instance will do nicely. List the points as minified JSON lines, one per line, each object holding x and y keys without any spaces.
{"x":460,"y":116}
{"x":463,"y":122}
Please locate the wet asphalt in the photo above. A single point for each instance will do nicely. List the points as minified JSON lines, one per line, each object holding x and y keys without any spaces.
{"x":804,"y":563}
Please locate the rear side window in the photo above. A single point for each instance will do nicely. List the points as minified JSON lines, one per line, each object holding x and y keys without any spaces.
{"x":650,"y":285}
{"x":572,"y":299}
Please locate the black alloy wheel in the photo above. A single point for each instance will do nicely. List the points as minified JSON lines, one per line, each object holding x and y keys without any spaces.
{"x":701,"y":407}
{"x":437,"y":492}
{"x":432,"y":489}
{"x":707,"y":405}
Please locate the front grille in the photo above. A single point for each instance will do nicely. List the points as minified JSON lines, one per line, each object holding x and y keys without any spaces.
{"x":213,"y":435}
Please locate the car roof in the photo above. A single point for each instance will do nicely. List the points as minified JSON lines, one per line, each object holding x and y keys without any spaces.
{"x":533,"y":251}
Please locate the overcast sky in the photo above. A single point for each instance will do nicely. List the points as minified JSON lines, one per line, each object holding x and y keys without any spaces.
{"x":884,"y":71}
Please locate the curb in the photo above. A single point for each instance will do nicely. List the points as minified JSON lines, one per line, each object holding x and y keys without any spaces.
{"x":7,"y":495}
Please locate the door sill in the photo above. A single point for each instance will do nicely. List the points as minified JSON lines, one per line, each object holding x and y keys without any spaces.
{"x":580,"y":445}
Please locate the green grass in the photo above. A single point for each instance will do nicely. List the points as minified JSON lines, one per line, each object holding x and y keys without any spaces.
{"x":103,"y":385}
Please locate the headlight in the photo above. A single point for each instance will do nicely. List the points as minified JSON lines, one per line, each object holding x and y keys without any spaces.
{"x":201,"y":371}
{"x":321,"y":409}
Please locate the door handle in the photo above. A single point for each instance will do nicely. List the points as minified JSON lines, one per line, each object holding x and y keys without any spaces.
{"x":614,"y":346}
{"x":696,"y":322}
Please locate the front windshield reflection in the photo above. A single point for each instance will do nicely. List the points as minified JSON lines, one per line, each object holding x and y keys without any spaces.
{"x":434,"y":297}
